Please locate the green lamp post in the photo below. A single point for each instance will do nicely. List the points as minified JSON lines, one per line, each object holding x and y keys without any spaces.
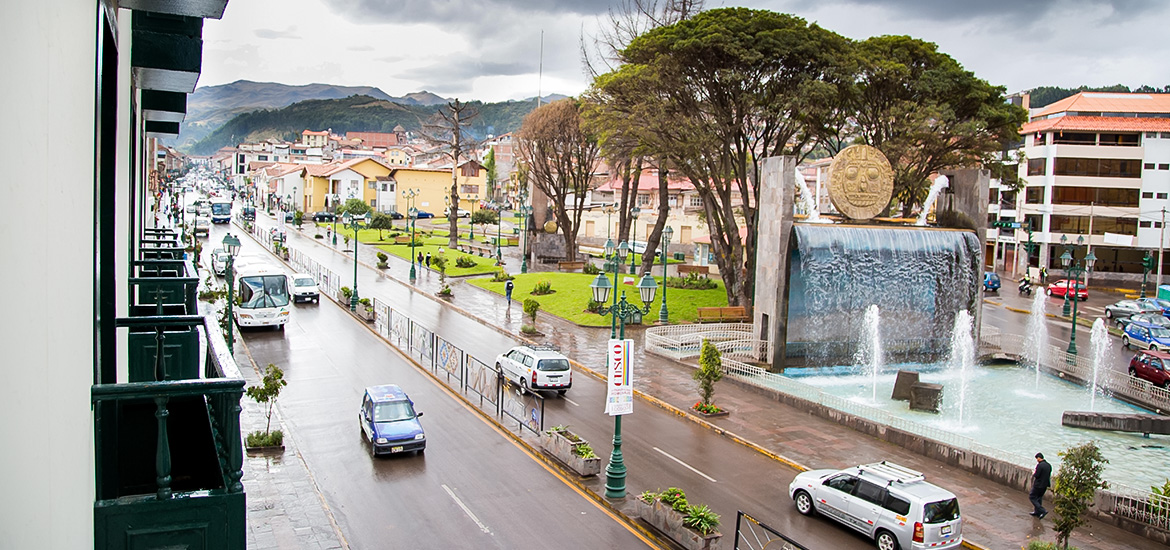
{"x":1075,"y":269}
{"x":1147,"y":267}
{"x":352,"y":222}
{"x":499,"y":221}
{"x":409,"y":195}
{"x":663,"y":314}
{"x":525,"y":212}
{"x":634,"y":236}
{"x":619,"y":312}
{"x":232,"y":245}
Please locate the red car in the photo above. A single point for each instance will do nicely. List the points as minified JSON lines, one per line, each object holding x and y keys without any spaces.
{"x":1075,"y":290}
{"x":1151,"y":366}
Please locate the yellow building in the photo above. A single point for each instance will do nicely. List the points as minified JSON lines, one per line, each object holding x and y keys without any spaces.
{"x":434,"y":186}
{"x":329,"y":185}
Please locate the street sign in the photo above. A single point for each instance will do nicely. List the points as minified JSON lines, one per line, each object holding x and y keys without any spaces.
{"x":619,"y":396}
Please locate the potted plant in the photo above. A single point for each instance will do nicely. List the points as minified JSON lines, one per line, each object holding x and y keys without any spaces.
{"x":382,"y":257}
{"x":571,"y":450}
{"x":366,"y":308}
{"x":346,"y":292}
{"x":709,"y":372}
{"x":692,"y":526}
{"x":266,"y":394}
{"x":531,"y":307}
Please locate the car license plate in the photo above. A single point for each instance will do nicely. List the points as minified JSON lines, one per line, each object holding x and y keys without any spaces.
{"x":398,"y":449}
{"x":946,"y":530}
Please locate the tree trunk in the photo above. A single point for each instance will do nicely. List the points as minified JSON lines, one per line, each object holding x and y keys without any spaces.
{"x":654,"y":240}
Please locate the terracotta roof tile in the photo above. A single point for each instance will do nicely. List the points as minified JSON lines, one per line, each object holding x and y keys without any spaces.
{"x":1098,"y":124}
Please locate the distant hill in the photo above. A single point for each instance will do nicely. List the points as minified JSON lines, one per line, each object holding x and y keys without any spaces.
{"x":212,"y":106}
{"x":1047,"y":95}
{"x":355,"y":113}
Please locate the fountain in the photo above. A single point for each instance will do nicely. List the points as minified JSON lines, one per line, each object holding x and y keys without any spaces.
{"x":1036,"y":336}
{"x":1101,"y":348}
{"x":869,"y":353}
{"x":962,"y":357}
{"x":809,"y":202}
{"x":939,"y":183}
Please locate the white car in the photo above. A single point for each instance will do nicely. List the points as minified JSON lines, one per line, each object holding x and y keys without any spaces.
{"x":202,"y":226}
{"x":219,"y":258}
{"x":459,"y":212}
{"x":891,"y":504}
{"x":536,"y":368}
{"x":304,"y":288}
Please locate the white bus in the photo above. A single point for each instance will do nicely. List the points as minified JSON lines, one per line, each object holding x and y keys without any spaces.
{"x":263,"y":297}
{"x":221,"y":210}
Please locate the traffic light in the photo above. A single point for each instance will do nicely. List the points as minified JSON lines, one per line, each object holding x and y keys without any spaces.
{"x":1148,"y":263}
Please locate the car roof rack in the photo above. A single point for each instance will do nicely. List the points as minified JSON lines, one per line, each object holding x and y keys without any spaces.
{"x":892,"y":472}
{"x":544,"y":347}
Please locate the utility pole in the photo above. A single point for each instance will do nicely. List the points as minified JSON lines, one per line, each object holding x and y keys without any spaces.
{"x":1161,"y":245}
{"x":1089,"y":247}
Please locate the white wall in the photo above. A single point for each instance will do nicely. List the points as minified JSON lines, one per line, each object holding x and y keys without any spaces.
{"x":46,"y":332}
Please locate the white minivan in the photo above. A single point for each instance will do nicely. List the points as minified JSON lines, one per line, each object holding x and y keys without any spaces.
{"x":536,"y":368}
{"x":889,"y":503}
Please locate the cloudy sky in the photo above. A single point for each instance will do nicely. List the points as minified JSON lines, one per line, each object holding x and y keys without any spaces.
{"x":490,"y":49}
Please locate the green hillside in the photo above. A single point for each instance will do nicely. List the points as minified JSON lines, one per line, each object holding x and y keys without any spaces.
{"x":1047,"y":95}
{"x":357,"y":113}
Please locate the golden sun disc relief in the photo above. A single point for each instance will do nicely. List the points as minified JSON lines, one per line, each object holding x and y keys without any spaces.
{"x":861,"y":182}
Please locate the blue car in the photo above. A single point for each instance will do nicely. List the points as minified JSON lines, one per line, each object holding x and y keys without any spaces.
{"x":389,"y":421}
{"x":1146,"y":336}
{"x":1159,"y":303}
{"x":423,"y":214}
{"x":990,"y":281}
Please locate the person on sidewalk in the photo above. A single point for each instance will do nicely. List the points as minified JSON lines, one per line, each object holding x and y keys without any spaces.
{"x":1041,"y":479}
{"x":1043,"y":275}
{"x":420,"y":258}
{"x":508,"y":292}
{"x":428,"y":259}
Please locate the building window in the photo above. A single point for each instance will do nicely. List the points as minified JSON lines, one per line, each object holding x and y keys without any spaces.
{"x":471,"y":189}
{"x":643,"y":199}
{"x":1162,"y":196}
{"x":372,"y":184}
{"x":1034,"y":195}
{"x":1074,"y":138}
{"x":1148,"y":166}
{"x":1095,"y":195}
{"x":384,"y":186}
{"x":1101,"y":168}
{"x":1038,"y":139}
{"x":1144,"y":224}
{"x":1157,"y":225}
{"x":1147,"y":195}
{"x":261,"y":157}
{"x":1151,"y":135}
{"x":1164,"y":166}
{"x":1121,"y":140}
{"x":696,"y":200}
{"x":1165,"y":135}
{"x":1037,"y":167}
{"x":373,"y":203}
{"x":1101,"y":225}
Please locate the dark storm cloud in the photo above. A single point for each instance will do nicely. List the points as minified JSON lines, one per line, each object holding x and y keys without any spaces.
{"x":461,"y":13}
{"x":1017,"y":12}
{"x":457,"y":69}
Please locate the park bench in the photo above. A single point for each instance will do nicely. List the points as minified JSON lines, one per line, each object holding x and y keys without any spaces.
{"x":480,"y":249}
{"x":571,"y":266}
{"x":721,"y":314}
{"x":684,"y":269}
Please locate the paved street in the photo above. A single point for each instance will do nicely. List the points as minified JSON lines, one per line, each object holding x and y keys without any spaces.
{"x":995,"y":517}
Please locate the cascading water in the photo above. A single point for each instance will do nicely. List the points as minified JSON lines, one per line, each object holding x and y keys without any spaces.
{"x":869,"y":352}
{"x":1101,"y":348}
{"x":920,"y":277}
{"x":963,"y":356}
{"x":937,"y":186}
{"x":1036,"y":336}
{"x":808,"y":201}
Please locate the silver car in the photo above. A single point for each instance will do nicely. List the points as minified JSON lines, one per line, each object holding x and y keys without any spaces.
{"x":1151,"y":318}
{"x":891,"y":504}
{"x":1125,"y":308}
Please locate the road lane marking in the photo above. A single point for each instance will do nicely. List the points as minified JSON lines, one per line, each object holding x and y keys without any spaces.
{"x":688,"y":466}
{"x":575,"y":404}
{"x":466,"y":510}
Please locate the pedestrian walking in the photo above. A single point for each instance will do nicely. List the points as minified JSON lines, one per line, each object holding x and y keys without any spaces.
{"x":1041,"y":479}
{"x":420,"y":257}
{"x":428,"y":259}
{"x":508,"y":292}
{"x":1043,"y":275}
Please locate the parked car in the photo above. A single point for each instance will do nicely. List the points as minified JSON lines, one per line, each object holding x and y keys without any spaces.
{"x":891,"y":504}
{"x":1151,"y":318}
{"x":396,"y":215}
{"x":1151,"y":366}
{"x":1075,"y":290}
{"x":536,"y":368}
{"x":248,"y":213}
{"x":288,"y":217}
{"x":420,"y":214}
{"x":219,"y":258}
{"x":459,"y":212}
{"x":1163,"y":306}
{"x":190,"y":209}
{"x":202,"y":226}
{"x":389,"y":421}
{"x":1146,"y":336}
{"x":323,"y":216}
{"x":304,"y":288}
{"x":991,"y":281}
{"x":1125,"y":308}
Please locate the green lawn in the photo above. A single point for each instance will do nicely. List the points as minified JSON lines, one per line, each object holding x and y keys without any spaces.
{"x":572,"y":294}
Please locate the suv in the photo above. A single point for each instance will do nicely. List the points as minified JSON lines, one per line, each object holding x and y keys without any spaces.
{"x":537,"y":368}
{"x":389,"y":422}
{"x":1151,"y":366}
{"x":889,"y":503}
{"x":304,"y":288}
{"x":1146,"y":336}
{"x":991,"y":282}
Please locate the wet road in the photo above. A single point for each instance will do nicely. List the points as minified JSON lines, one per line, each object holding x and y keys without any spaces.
{"x":330,"y":357}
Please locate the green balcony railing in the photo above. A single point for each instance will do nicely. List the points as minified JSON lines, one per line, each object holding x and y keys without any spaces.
{"x":169,"y":453}
{"x":163,"y":287}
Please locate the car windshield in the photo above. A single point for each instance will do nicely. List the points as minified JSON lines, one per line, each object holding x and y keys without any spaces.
{"x":304,"y":281}
{"x":553,"y":364}
{"x":941,"y":511}
{"x":221,"y":208}
{"x":393,"y":411}
{"x":263,"y":291}
{"x":1160,"y":332}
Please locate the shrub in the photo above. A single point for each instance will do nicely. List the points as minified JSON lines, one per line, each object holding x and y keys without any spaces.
{"x":530,"y":308}
{"x":268,"y":391}
{"x":709,"y":372}
{"x":298,"y":218}
{"x":501,"y":276}
{"x":528,"y":329}
{"x":584,"y":451}
{"x":1042,"y":545}
{"x":693,"y":281}
{"x":542,"y":288}
{"x":701,"y":519}
{"x":1075,"y":485}
{"x":675,"y":498}
{"x":382,"y":257}
{"x":346,"y":292}
{"x":261,"y":439}
{"x":648,"y":496}
{"x":590,"y":269}
{"x":318,"y":236}
{"x":365,"y":302}
{"x":593,"y":306}
{"x":464,"y":262}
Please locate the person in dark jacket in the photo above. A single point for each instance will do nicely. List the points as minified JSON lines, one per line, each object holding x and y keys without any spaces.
{"x":1041,"y":480}
{"x":508,"y":292}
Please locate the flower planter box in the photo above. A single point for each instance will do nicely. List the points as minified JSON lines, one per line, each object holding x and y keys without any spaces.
{"x":367,"y":314}
{"x":670,"y":523}
{"x":723,"y":412}
{"x":265,"y":451}
{"x":561,"y":447}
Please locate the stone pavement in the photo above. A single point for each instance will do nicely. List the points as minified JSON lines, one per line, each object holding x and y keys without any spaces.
{"x":995,"y":516}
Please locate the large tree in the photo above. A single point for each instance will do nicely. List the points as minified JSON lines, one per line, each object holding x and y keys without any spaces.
{"x":560,"y":156}
{"x":447,"y":130}
{"x":926,"y":113}
{"x":719,"y":92}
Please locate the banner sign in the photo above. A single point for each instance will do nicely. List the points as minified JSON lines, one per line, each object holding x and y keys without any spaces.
{"x":619,"y":397}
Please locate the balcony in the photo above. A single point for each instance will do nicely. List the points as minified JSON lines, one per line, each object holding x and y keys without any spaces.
{"x":168,"y":450}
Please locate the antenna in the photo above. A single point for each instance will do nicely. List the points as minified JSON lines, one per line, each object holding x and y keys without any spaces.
{"x":540,"y":69}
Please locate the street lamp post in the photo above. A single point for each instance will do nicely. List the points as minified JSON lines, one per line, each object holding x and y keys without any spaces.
{"x":352,"y":222}
{"x":663,"y":314}
{"x":1147,"y":263}
{"x":232,"y":245}
{"x":634,"y":236}
{"x":1075,"y":269}
{"x":525,"y":212}
{"x":411,"y":213}
{"x":615,"y":471}
{"x":499,"y":222}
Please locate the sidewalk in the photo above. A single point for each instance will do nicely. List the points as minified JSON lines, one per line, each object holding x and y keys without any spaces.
{"x":995,"y":516}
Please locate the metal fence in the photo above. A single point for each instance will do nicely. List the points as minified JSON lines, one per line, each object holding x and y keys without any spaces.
{"x":753,"y":534}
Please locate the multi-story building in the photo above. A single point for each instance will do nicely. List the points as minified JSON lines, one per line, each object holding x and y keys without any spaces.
{"x":113,"y":439}
{"x":1098,"y":167}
